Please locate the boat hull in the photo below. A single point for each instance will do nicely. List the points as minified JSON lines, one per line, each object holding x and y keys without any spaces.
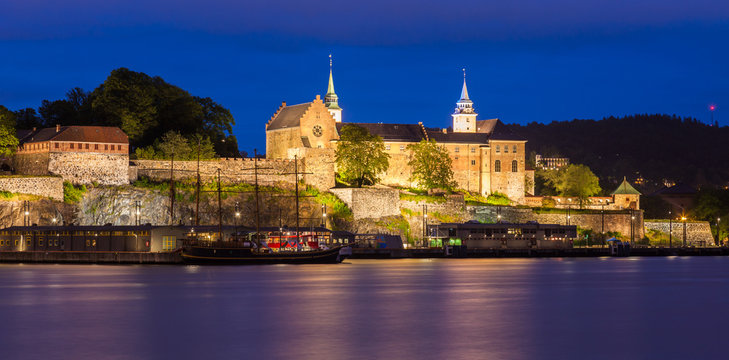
{"x":245,"y":256}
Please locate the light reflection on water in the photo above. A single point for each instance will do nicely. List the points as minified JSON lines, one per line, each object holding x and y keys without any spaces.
{"x":366,"y":309}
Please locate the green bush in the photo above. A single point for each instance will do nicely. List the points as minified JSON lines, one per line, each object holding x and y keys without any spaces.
{"x":71,"y":193}
{"x":497,"y":198}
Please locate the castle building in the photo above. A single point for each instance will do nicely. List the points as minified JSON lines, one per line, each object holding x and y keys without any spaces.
{"x":79,"y":154}
{"x":487,"y":156}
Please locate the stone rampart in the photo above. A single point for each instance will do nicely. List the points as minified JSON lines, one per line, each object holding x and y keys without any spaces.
{"x":46,"y":186}
{"x":370,"y":202}
{"x":85,"y":168}
{"x":31,"y":164}
{"x":698,"y":233}
{"x":317,"y":169}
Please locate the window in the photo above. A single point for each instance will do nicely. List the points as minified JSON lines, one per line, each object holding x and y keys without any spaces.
{"x":86,"y":147}
{"x":506,"y":149}
{"x":514,"y":166}
{"x":498,"y":149}
{"x":27,"y":243}
{"x":118,"y":147}
{"x":458,"y":149}
{"x":473,"y":162}
{"x":169,"y":242}
{"x":473,"y":150}
{"x":71,"y":145}
{"x":497,"y":166}
{"x":40,"y":242}
{"x":79,"y":146}
{"x":513,"y":149}
{"x":106,"y":146}
{"x":387,"y":147}
{"x":16,"y":242}
{"x":402,"y":147}
{"x":96,"y":146}
{"x":88,"y":243}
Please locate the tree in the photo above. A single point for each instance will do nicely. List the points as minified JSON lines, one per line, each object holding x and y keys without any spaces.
{"x":360,"y":156}
{"x":27,"y":119}
{"x":173,"y":143}
{"x":8,"y":140}
{"x":573,"y":180}
{"x":432,"y":166}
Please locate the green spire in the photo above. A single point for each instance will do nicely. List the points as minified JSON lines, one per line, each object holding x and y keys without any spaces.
{"x":626,"y":188}
{"x":331,"y":100}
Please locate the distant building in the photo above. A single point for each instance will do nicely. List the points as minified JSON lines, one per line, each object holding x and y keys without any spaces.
{"x":487,"y":156}
{"x":624,"y":197}
{"x":79,"y":154}
{"x":550,"y":163}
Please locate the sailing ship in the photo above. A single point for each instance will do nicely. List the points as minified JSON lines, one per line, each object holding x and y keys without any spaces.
{"x":254,"y":251}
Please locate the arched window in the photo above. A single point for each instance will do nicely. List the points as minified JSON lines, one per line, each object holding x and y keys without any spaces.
{"x":497,"y":166}
{"x":514,"y":166}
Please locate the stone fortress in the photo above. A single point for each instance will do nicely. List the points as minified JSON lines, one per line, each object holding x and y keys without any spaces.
{"x":487,"y":156}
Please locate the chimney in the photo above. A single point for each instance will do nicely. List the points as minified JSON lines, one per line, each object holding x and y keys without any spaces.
{"x":58,"y":127}
{"x":283,"y":103}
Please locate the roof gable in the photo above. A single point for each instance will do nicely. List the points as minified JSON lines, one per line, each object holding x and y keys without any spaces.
{"x":625,"y":189}
{"x":288,"y":116}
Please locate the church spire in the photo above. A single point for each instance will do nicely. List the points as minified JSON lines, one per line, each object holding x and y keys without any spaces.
{"x":331,"y":100}
{"x":464,"y":91}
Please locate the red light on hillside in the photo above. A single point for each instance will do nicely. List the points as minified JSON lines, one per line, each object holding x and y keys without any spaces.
{"x":712,"y":107}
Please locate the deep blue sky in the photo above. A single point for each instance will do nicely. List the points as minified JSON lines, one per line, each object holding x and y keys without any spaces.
{"x":395,"y":61}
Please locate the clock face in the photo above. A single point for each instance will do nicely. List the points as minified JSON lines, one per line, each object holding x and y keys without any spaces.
{"x":317,"y":130}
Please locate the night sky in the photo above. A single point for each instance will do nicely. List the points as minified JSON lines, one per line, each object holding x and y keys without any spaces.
{"x":394,"y":61}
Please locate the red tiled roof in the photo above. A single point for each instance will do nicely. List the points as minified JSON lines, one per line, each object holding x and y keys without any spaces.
{"x":99,"y":134}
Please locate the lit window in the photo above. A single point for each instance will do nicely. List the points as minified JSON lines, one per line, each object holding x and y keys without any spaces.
{"x":402,"y":147}
{"x":513,"y":149}
{"x":473,"y":150}
{"x":497,"y":166}
{"x":458,"y":149}
{"x":387,"y":147}
{"x":514,"y":166}
{"x":169,"y":242}
{"x":506,"y":149}
{"x":498,"y":149}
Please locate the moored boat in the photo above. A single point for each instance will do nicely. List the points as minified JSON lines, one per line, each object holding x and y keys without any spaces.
{"x":241,"y":253}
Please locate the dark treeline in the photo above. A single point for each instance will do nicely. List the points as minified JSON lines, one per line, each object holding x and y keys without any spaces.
{"x":655,"y":147}
{"x":145,"y":107}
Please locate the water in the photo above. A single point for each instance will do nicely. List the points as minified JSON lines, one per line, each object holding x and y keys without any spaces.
{"x":632,"y":308}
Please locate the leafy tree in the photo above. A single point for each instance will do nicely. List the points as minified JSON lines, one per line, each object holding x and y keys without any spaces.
{"x":432,"y":166}
{"x":172,"y":143}
{"x":8,"y":141}
{"x":573,"y":180}
{"x":27,"y":119}
{"x":360,"y":156}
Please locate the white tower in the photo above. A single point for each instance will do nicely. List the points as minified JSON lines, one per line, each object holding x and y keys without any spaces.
{"x":464,"y":118}
{"x":331,"y":100}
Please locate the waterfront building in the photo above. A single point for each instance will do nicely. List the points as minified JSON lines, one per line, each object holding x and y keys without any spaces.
{"x":476,"y":235}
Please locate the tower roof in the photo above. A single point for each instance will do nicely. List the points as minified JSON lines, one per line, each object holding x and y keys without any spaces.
{"x":331,"y":100}
{"x":625,"y":188}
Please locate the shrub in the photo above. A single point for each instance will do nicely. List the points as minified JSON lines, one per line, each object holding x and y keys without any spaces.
{"x":71,"y":193}
{"x":497,"y":198}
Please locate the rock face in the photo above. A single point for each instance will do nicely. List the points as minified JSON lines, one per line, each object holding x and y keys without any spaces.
{"x":41,"y":212}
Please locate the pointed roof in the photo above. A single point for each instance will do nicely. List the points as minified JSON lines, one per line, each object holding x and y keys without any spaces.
{"x":625,"y":188}
{"x":330,"y":89}
{"x":464,"y":91}
{"x":288,"y":116}
{"x":331,"y":100}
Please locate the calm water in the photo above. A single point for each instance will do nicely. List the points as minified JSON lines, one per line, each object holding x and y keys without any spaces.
{"x":635,"y":308}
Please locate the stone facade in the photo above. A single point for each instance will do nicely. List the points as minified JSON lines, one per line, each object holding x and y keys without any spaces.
{"x":698,"y":233}
{"x":270,"y":172}
{"x":370,"y":203}
{"x":46,"y":186}
{"x":86,"y":168}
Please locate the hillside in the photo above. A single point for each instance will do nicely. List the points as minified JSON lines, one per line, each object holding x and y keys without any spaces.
{"x":656,"y":147}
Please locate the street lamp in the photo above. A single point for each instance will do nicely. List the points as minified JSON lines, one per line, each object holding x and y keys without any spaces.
{"x":718,"y":231}
{"x":683,"y":218}
{"x":670,"y":229}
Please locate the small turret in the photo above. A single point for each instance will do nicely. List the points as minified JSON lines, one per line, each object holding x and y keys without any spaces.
{"x":464,"y":118}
